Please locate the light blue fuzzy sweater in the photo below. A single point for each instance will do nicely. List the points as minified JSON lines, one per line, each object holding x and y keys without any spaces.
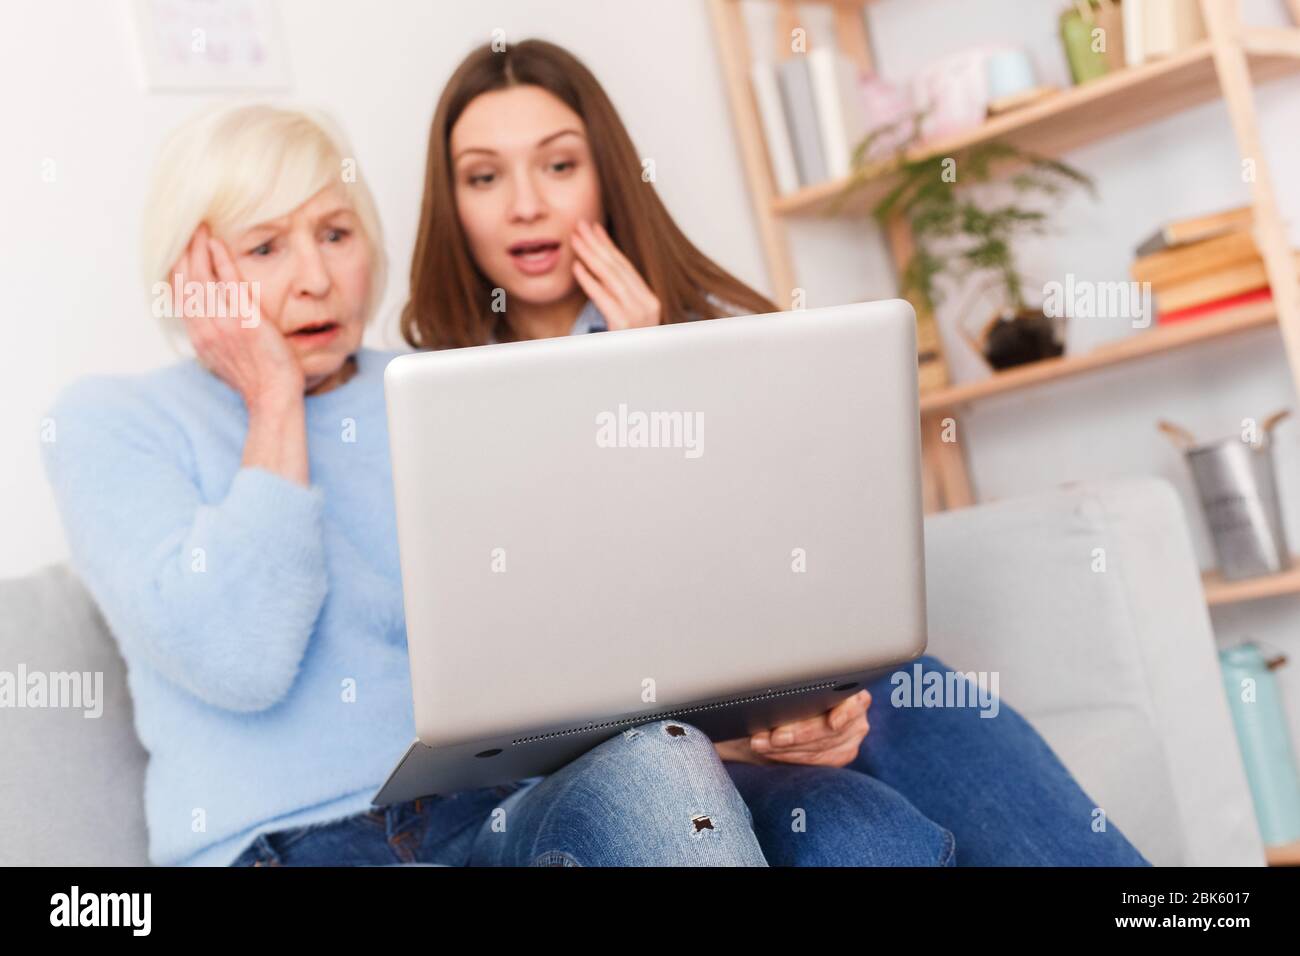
{"x":261,"y":621}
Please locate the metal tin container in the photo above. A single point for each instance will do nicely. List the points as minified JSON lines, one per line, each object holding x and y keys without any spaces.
{"x":1237,"y":485}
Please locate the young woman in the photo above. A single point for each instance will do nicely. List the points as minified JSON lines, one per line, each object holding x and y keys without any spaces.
{"x":232,"y":516}
{"x":536,"y":222}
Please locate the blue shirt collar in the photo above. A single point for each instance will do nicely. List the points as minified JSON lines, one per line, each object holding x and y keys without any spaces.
{"x":588,"y":320}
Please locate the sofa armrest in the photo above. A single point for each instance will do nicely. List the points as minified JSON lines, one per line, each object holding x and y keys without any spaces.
{"x":1087,"y":601}
{"x":72,"y":784}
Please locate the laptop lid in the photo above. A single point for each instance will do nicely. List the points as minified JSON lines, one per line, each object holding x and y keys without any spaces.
{"x":628,"y":521}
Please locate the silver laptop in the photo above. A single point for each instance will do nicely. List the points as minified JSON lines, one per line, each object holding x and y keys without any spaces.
{"x":715,"y":521}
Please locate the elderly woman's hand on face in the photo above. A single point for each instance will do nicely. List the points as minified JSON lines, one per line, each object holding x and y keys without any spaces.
{"x":831,"y":739}
{"x":252,"y":357}
{"x":248,"y":354}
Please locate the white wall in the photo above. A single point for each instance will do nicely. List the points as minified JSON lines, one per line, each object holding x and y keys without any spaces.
{"x":68,"y":249}
{"x":68,"y":261}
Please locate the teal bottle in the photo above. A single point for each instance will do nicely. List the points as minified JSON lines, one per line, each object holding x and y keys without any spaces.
{"x":1260,"y":719}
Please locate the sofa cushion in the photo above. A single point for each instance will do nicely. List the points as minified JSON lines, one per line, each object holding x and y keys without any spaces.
{"x":72,"y":790}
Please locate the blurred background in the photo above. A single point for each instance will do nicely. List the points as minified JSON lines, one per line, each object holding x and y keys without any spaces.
{"x":85,"y":109}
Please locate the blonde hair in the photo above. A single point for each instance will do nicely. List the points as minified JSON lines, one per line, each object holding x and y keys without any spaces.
{"x":241,"y":165}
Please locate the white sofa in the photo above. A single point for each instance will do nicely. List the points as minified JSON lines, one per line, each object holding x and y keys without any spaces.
{"x":1116,"y":669}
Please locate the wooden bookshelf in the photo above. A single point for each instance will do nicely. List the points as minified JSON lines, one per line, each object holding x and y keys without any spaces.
{"x":1154,"y":341}
{"x":1225,"y":66}
{"x":1220,"y":592}
{"x":1061,"y":121}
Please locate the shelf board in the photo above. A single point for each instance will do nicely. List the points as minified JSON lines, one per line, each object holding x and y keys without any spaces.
{"x":1157,"y":339}
{"x":1060,"y":121}
{"x":1288,"y":854}
{"x":1219,"y":591}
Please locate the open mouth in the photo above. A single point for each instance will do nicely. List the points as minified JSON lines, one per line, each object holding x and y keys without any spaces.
{"x":315,"y":328}
{"x":535,"y":251}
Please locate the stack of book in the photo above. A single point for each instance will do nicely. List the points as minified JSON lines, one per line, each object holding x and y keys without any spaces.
{"x":812,"y":114}
{"x":1202,"y":266}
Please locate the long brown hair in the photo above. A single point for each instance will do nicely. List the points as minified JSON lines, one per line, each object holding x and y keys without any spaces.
{"x":451,"y":298}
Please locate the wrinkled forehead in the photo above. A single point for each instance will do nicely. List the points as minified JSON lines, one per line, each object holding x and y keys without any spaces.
{"x":331,"y":203}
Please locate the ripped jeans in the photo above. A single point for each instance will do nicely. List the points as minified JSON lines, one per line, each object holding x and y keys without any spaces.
{"x":656,"y":794}
{"x":930,"y":787}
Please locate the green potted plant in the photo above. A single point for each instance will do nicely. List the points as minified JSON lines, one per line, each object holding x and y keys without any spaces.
{"x":958,"y":236}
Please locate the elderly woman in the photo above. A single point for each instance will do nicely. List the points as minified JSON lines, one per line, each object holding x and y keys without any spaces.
{"x":232,"y":516}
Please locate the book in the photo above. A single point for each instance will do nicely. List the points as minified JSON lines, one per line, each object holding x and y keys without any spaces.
{"x":837,"y":91}
{"x":1169,"y":26}
{"x":1195,"y":229}
{"x":1233,"y":280}
{"x":1214,"y":307}
{"x":1133,"y":16}
{"x":801,"y":119}
{"x":1170,"y":266}
{"x":780,"y":152}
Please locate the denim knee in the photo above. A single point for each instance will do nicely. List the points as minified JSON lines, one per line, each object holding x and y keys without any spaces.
{"x":856,"y":820}
{"x":686,"y":739}
{"x":648,"y":748}
{"x":836,"y":816}
{"x":679,"y":806}
{"x":655,"y":794}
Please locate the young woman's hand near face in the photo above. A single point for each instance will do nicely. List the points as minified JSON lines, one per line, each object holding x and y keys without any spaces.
{"x":611,"y":281}
{"x":254,"y":360}
{"x":831,"y":739}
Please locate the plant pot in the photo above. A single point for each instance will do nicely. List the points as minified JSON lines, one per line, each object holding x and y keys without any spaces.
{"x":1010,"y":339}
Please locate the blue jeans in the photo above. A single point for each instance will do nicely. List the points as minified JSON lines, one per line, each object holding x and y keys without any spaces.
{"x":932,"y":786}
{"x":653,"y":795}
{"x":985,"y":791}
